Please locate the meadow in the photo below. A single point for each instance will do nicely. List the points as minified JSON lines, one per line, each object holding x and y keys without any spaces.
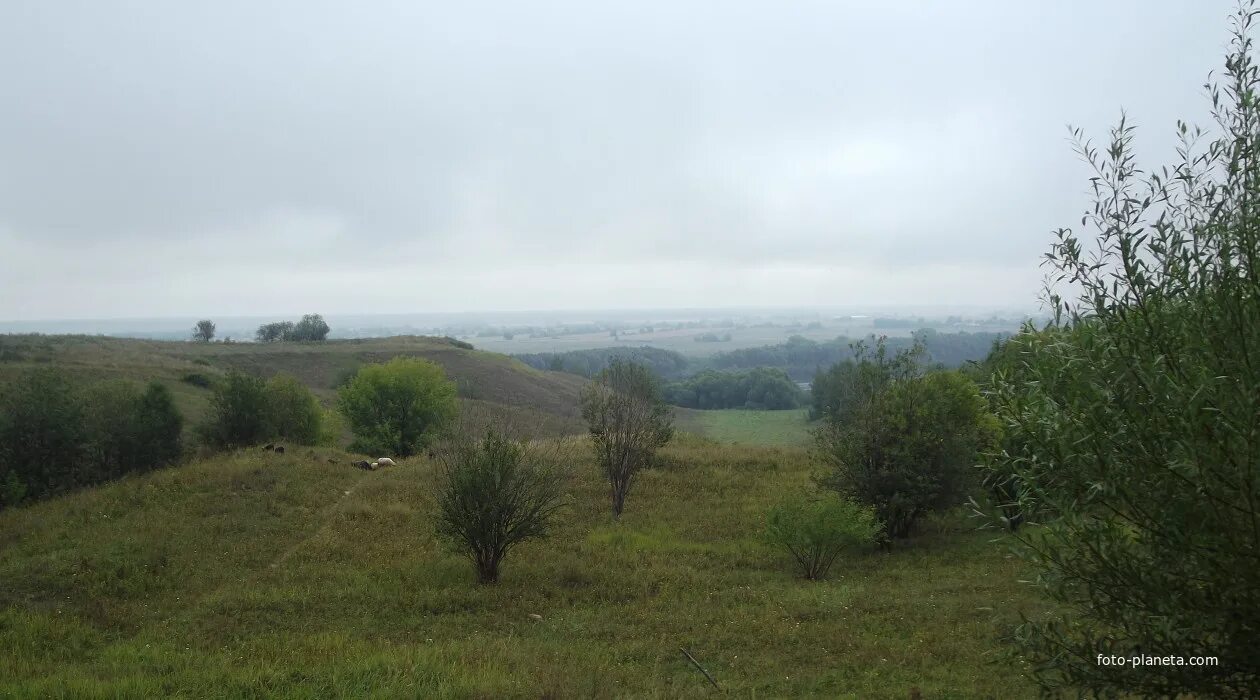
{"x":736,"y":425}
{"x":253,"y":574}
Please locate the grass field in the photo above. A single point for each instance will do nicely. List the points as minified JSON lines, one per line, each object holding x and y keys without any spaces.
{"x":778,"y":428}
{"x":255,"y":574}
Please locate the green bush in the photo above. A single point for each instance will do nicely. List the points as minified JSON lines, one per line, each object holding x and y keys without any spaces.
{"x":55,"y":436}
{"x":43,"y":436}
{"x":816,"y":530}
{"x":398,"y":407}
{"x":291,"y":411}
{"x":197,"y":379}
{"x":495,"y":494}
{"x":238,"y":413}
{"x":130,"y":430}
{"x":1131,"y":422}
{"x":909,"y":448}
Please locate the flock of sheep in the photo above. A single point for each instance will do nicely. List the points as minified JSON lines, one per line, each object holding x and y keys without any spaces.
{"x":361,"y":464}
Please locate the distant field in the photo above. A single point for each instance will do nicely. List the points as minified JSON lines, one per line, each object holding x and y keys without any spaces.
{"x":776,"y":428}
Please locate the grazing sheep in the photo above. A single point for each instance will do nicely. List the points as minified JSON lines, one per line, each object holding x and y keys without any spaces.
{"x":279,"y":449}
{"x":362,"y":464}
{"x":385,"y":462}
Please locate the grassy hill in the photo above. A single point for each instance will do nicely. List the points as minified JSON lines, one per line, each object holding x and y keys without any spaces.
{"x":254,"y":574}
{"x":489,"y":384}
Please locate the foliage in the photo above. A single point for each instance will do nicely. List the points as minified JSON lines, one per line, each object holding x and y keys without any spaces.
{"x":1132,"y":422}
{"x":274,"y":332}
{"x":238,"y":413}
{"x":311,"y":328}
{"x":397,"y":407}
{"x":496,"y":493}
{"x":55,"y":436}
{"x":291,"y":411}
{"x":628,"y":423}
{"x":43,"y":438}
{"x":204,"y":331}
{"x":906,"y":443}
{"x":197,"y":379}
{"x":762,"y":388}
{"x":802,"y":357}
{"x":588,"y":363}
{"x":816,"y":530}
{"x":842,"y":391}
{"x":129,"y":430}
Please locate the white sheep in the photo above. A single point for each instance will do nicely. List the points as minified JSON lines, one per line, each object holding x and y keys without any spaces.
{"x":385,"y":462}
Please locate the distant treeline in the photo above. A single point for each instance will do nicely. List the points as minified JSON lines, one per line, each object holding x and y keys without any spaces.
{"x":760,"y":388}
{"x":799,"y":357}
{"x":666,"y":364}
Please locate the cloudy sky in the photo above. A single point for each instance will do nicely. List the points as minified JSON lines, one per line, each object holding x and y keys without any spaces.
{"x":178,"y":158}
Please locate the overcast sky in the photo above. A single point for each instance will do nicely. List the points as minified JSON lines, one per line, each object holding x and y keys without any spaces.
{"x":179,"y":158}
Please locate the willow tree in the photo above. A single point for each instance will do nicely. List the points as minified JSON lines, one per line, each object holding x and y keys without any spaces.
{"x":1132,"y":424}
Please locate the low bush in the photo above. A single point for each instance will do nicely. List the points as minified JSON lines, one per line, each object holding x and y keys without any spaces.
{"x":197,"y":379}
{"x":496,"y":493}
{"x":816,"y":530}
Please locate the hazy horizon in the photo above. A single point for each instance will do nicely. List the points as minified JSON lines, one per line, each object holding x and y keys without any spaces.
{"x":183,"y":161}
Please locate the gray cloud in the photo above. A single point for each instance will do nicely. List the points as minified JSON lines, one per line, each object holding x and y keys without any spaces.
{"x":164,"y":158}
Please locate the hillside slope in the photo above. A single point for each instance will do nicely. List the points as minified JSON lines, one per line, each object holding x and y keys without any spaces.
{"x":254,"y":574}
{"x":490,"y":384}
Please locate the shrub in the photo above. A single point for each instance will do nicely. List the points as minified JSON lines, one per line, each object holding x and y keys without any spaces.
{"x":1131,"y":423}
{"x":397,"y":407}
{"x":43,"y":435}
{"x":816,"y":530}
{"x":910,"y":450}
{"x":291,"y":411}
{"x":197,"y":379}
{"x":495,"y":494}
{"x":129,"y":430}
{"x":238,"y":413}
{"x":628,"y":422}
{"x":55,"y":437}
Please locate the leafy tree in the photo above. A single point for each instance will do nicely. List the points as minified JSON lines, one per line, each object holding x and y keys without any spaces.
{"x":43,"y":435}
{"x":628,"y":422}
{"x":1131,"y":422}
{"x":159,"y":428}
{"x":495,"y":494}
{"x":130,"y":430}
{"x":204,"y":331}
{"x":910,"y":450}
{"x":55,"y":436}
{"x":291,"y":410}
{"x":311,"y":328}
{"x":273,"y":332}
{"x":816,"y":530}
{"x":397,"y":407}
{"x":238,"y":413}
{"x":842,"y":392}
